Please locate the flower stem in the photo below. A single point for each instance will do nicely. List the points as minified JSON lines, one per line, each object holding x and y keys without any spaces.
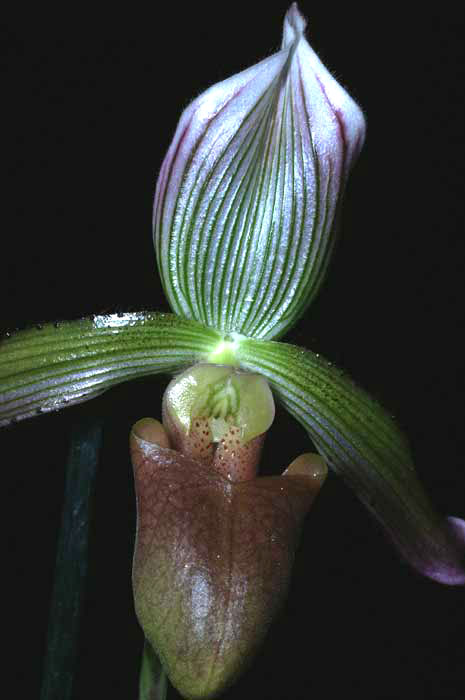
{"x":71,"y":561}
{"x":153,"y":682}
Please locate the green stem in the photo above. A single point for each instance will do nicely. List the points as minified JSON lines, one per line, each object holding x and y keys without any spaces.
{"x":71,"y":562}
{"x":153,"y":682}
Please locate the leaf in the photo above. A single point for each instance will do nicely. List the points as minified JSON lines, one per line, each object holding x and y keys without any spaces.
{"x":153,"y":682}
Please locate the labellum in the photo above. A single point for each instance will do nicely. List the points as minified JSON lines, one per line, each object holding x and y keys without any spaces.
{"x":215,"y":544}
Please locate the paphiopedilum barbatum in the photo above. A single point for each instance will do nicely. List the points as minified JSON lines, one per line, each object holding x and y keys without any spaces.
{"x":244,"y":222}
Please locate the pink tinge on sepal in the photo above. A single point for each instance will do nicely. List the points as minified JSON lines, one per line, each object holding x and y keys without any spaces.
{"x":252,"y":180}
{"x":454,"y":573}
{"x":438,"y":554}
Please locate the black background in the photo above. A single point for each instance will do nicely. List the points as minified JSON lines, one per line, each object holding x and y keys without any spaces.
{"x":90,"y":110}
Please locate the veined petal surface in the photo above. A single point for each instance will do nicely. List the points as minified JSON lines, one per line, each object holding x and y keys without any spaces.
{"x":248,"y":192}
{"x":55,"y":365}
{"x":361,"y":442}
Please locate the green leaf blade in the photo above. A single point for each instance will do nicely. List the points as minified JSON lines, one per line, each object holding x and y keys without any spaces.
{"x":153,"y":681}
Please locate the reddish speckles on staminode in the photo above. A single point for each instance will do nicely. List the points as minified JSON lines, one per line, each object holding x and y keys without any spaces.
{"x":235,"y":460}
{"x":219,"y":415}
{"x":215,"y":543}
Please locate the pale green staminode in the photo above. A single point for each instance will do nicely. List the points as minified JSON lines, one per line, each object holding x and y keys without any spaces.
{"x":225,"y":396}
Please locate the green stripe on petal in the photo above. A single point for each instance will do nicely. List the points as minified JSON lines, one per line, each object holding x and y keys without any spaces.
{"x":361,"y":442}
{"x":49,"y":367}
{"x":248,"y":192}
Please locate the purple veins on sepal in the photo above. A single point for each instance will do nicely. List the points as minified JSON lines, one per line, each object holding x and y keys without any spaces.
{"x":250,"y":188}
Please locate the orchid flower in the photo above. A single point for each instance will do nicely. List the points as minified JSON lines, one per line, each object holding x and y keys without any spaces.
{"x":245,"y":220}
